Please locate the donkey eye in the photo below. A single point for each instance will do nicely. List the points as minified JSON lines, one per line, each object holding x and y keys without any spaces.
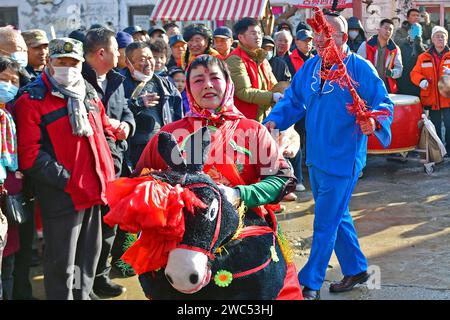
{"x":212,"y":211}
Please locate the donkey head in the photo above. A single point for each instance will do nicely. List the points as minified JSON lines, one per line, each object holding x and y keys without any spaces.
{"x":188,"y":266}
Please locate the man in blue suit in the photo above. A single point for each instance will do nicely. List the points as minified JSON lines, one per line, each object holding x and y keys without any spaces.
{"x":337,"y":148}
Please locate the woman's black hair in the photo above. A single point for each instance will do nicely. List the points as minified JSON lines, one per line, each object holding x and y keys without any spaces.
{"x":174,"y":70}
{"x":159,"y":46}
{"x":207,"y":61}
{"x":192,"y":30}
{"x":8,"y":63}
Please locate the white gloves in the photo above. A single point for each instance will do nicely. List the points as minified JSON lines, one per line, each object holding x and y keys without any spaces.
{"x":277,"y":96}
{"x":446,"y":71}
{"x":423,"y":84}
{"x":232,"y":194}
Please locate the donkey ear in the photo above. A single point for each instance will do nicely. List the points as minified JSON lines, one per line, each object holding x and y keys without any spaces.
{"x":197,"y":149}
{"x":169,"y":151}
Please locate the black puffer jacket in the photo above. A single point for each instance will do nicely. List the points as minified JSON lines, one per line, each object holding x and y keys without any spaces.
{"x":355,"y":23}
{"x":410,"y":52}
{"x":116,"y":105}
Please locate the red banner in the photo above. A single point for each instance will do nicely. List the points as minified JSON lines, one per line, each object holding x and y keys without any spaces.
{"x":319,"y":3}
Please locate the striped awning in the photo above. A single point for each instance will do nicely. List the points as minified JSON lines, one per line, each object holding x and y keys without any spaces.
{"x":198,"y":10}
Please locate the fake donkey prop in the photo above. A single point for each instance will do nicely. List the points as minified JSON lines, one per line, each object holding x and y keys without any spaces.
{"x":190,"y":233}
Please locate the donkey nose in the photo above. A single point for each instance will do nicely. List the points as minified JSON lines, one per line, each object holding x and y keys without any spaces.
{"x":193,"y":278}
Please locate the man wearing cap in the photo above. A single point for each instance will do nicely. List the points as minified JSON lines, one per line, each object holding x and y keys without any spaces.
{"x":223,"y":39}
{"x":101,"y":53}
{"x":156,"y":32}
{"x":37,"y":43}
{"x":64,"y":144}
{"x":178,"y":48}
{"x":123,"y":40}
{"x":384,"y":54}
{"x":431,"y":66}
{"x":137,"y":33}
{"x":171,"y":29}
{"x":251,"y":72}
{"x":302,"y":52}
{"x":199,"y":41}
{"x":279,"y":67}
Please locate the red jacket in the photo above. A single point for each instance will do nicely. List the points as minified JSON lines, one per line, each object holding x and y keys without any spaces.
{"x":69,"y":172}
{"x":391,"y":52}
{"x":250,"y":110}
{"x":296,"y":59}
{"x":253,"y":160}
{"x":428,"y":68}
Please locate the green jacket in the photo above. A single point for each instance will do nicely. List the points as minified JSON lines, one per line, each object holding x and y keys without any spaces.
{"x":244,"y":91}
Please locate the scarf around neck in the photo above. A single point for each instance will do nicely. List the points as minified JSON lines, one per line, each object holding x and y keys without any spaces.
{"x":258,"y":55}
{"x":226,"y":111}
{"x":8,"y":147}
{"x":78,"y":113}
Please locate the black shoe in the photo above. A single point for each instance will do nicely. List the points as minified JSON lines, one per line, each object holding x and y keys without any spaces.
{"x":348,"y":282}
{"x":108,"y":288}
{"x":93,"y":296}
{"x":310,"y":294}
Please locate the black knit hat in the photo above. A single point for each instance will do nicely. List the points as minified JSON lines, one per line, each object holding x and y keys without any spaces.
{"x":197,"y":28}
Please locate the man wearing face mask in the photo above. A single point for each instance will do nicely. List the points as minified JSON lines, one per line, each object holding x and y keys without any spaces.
{"x":10,"y":178}
{"x":13,"y":45}
{"x":154,"y":100}
{"x":101,"y":54}
{"x":356,"y":34}
{"x":279,"y":67}
{"x":65,"y":143}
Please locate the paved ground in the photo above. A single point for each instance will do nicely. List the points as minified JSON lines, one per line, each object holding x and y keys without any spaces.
{"x":403,"y":219}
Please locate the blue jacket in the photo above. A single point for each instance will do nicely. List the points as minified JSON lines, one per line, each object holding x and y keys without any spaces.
{"x":334,"y":142}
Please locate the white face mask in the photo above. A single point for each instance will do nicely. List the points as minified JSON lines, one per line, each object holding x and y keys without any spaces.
{"x":353,"y":34}
{"x":67,"y":76}
{"x":139,"y":76}
{"x":21,"y":57}
{"x":269,"y":55}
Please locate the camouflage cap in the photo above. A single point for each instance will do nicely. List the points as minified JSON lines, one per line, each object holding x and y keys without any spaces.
{"x":35,"y":37}
{"x":66,"y":47}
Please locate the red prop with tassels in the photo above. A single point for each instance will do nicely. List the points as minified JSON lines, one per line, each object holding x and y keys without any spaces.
{"x":153,"y":208}
{"x":333,"y":55}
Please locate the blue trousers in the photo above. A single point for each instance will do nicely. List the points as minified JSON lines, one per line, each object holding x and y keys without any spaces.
{"x":333,"y":229}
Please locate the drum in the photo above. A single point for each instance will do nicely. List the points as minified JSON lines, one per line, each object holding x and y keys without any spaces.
{"x":405,"y":130}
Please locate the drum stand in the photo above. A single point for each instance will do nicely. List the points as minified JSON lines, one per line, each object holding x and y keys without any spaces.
{"x":423,"y":148}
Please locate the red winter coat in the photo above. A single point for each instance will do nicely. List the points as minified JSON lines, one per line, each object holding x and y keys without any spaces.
{"x":69,"y":172}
